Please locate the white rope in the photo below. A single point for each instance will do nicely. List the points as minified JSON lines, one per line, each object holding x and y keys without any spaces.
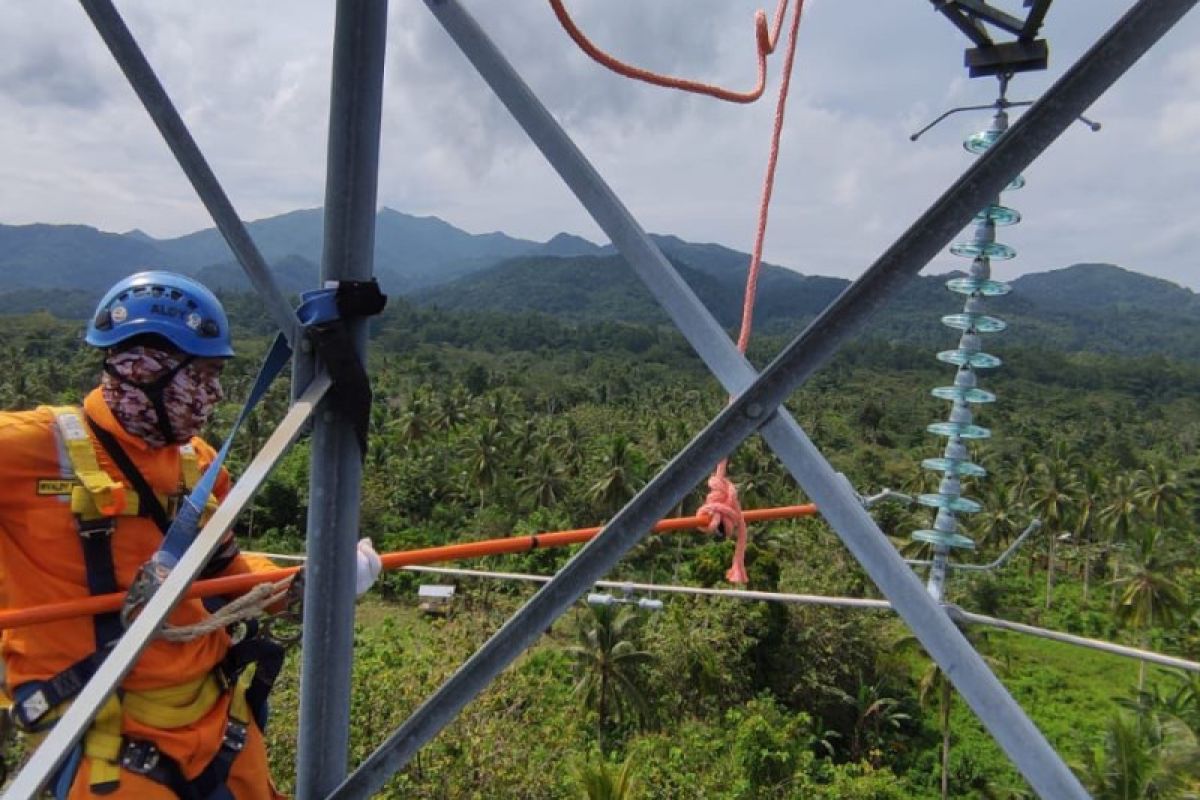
{"x":249,"y":606}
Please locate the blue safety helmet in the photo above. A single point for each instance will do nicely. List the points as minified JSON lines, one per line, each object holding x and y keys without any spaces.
{"x":164,"y":304}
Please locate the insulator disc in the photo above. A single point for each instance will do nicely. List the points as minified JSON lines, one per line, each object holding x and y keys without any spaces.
{"x":963,"y":505}
{"x":993,"y":250}
{"x":966,"y":395}
{"x":1016,"y":183}
{"x":959,"y":429}
{"x":979,"y":142}
{"x":980,"y":323}
{"x":985,"y":287}
{"x":962,"y":358}
{"x":999,"y":215}
{"x":955,"y":540}
{"x":953,"y":466}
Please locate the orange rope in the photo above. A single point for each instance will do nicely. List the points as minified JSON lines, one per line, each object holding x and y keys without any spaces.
{"x":236,"y":584}
{"x":722,"y":501}
{"x":765,"y":41}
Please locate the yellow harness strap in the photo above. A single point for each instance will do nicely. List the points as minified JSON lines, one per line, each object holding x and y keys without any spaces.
{"x":189,"y":465}
{"x":173,"y":706}
{"x":96,"y":494}
{"x":169,"y":707}
{"x":102,"y":744}
{"x":106,"y":495}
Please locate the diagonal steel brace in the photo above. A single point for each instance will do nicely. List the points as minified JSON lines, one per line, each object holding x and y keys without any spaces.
{"x":150,"y":91}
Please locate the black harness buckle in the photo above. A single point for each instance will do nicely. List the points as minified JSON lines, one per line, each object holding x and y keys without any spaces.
{"x":140,"y":756}
{"x":93,"y":528}
{"x":235,"y":736}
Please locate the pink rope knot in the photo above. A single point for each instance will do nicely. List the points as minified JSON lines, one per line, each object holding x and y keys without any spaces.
{"x":726,"y":517}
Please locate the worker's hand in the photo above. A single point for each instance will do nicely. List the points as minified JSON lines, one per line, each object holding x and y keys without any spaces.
{"x":369,"y":567}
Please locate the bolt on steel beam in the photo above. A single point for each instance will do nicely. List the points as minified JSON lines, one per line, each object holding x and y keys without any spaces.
{"x":150,"y":91}
{"x":352,"y":175}
{"x":71,"y":726}
{"x":1071,"y":95}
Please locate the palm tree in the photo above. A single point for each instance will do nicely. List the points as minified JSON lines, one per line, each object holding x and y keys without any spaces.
{"x":1051,"y":498}
{"x":1149,"y":593}
{"x":934,"y":683}
{"x":545,"y":480}
{"x":482,"y":451}
{"x":607,"y":658}
{"x":875,"y":710}
{"x":1002,"y":516}
{"x":1147,"y":755}
{"x":568,"y":442}
{"x":1160,"y":492}
{"x":414,"y":423}
{"x":1087,"y":514}
{"x":1123,"y":510}
{"x":597,"y":782}
{"x":621,"y":476}
{"x":450,"y":410}
{"x":1025,"y":472}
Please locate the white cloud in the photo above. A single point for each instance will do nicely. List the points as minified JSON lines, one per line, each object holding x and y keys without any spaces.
{"x":252,"y":79}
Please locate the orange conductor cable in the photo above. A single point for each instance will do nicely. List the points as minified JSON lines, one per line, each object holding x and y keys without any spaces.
{"x":236,"y":584}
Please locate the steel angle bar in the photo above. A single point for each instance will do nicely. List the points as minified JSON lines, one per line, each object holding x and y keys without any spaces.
{"x":150,"y":91}
{"x":973,"y":30}
{"x":997,"y":17}
{"x":1099,"y":68}
{"x":1034,"y":18}
{"x":355,"y":109}
{"x":79,"y":715}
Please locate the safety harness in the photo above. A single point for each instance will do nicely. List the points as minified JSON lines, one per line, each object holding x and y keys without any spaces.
{"x":252,"y":664}
{"x":97,"y":501}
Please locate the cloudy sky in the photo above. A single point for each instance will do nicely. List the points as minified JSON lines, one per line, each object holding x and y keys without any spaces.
{"x":251,"y":79}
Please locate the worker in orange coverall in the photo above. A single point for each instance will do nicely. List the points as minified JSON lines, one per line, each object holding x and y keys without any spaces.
{"x":86,"y":494}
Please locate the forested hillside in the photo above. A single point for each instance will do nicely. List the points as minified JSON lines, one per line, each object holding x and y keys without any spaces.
{"x":494,"y":424}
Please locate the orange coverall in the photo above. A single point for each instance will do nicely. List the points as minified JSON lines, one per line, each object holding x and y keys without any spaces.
{"x":41,"y":562}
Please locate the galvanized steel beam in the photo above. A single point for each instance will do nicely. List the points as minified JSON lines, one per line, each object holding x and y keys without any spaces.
{"x":356,"y":96}
{"x":759,"y":405}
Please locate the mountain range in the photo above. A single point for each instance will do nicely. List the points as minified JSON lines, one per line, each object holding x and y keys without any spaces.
{"x":1095,"y":307}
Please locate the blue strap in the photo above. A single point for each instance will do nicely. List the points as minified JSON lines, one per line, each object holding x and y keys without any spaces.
{"x":66,"y":773}
{"x":318,"y":307}
{"x":325,"y":314}
{"x":34,"y":700}
{"x":95,"y":537}
{"x":187,"y":520}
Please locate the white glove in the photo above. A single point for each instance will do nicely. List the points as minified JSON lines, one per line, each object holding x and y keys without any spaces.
{"x":368,"y":565}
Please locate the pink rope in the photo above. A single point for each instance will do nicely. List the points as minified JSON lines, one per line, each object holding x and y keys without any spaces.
{"x":722,"y":501}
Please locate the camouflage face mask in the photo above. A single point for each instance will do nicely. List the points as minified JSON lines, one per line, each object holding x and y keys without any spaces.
{"x":160,"y":397}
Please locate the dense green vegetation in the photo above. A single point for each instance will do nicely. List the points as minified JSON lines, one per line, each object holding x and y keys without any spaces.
{"x":490,"y":424}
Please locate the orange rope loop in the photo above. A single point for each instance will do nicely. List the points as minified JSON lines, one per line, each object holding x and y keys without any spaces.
{"x":723,"y":493}
{"x":765,"y":41}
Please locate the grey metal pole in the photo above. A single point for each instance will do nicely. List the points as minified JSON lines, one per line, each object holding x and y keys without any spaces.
{"x":158,"y":105}
{"x":129,"y":647}
{"x":356,"y":96}
{"x":1112,"y":55}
